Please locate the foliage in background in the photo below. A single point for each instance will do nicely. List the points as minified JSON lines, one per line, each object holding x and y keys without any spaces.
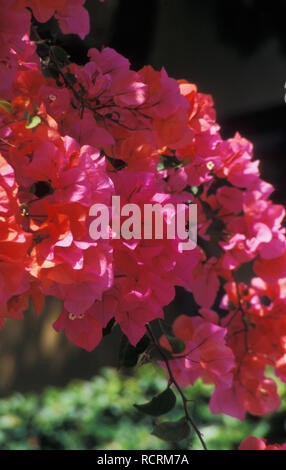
{"x":99,"y":415}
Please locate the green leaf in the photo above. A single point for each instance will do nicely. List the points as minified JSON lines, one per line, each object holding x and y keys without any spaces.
{"x":160,"y":166}
{"x":33,"y":122}
{"x":194,"y":190}
{"x":166,"y":328}
{"x":159,"y":405}
{"x":51,"y":70}
{"x":60,"y":54}
{"x":167,"y":162}
{"x":6,"y":106}
{"x":173,"y":431}
{"x":43,"y":50}
{"x":177,"y":344}
{"x":128,"y":354}
{"x":70,"y":77}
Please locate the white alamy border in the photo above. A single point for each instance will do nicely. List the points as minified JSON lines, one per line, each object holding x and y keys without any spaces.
{"x":133,"y":228}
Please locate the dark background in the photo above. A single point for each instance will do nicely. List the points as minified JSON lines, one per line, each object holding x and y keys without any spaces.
{"x":235,"y":51}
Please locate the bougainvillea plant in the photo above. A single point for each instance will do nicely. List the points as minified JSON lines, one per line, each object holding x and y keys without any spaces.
{"x":75,"y":135}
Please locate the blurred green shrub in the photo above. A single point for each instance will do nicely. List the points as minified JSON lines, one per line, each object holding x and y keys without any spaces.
{"x":99,"y":414}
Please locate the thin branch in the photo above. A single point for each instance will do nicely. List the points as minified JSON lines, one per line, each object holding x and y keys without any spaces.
{"x":175,"y":383}
{"x":7,"y":143}
{"x":246,"y":345}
